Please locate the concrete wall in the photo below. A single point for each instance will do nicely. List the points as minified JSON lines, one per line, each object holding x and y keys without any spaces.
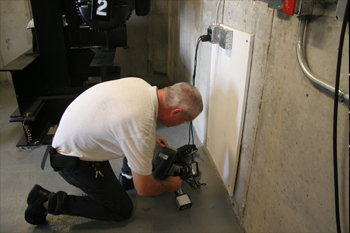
{"x":285,"y":177}
{"x":145,"y":55}
{"x":14,"y":38}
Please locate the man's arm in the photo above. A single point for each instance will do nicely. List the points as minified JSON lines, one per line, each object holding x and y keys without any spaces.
{"x":148,"y":186}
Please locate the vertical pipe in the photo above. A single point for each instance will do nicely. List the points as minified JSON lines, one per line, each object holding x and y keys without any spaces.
{"x":217,"y":13}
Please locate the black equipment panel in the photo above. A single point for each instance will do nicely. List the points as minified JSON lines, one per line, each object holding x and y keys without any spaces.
{"x":69,"y":55}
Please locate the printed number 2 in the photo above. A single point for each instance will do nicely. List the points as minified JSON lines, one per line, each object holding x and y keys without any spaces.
{"x":102,"y":6}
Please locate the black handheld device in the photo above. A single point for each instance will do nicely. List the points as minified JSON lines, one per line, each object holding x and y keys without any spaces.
{"x":163,"y":159}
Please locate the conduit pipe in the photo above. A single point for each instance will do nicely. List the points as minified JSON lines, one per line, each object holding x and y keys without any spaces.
{"x":305,"y":68}
{"x":217,"y":13}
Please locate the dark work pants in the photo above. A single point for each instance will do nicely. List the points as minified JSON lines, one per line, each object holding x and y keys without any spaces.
{"x":106,"y":199}
{"x":126,"y":169}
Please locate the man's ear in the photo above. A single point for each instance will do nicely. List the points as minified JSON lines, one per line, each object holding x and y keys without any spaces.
{"x":176,"y":111}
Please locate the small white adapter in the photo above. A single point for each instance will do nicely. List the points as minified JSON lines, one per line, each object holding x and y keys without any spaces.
{"x":182,"y":200}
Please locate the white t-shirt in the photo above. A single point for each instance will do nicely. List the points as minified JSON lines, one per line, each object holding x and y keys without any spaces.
{"x":111,"y":120}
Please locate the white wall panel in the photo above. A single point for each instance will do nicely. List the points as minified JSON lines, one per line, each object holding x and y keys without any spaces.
{"x":229,"y":80}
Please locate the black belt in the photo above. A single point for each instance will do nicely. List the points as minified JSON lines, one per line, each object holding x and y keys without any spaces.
{"x":59,"y":161}
{"x":45,"y":157}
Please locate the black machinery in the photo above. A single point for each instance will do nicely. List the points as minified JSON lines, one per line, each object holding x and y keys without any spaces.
{"x":167,"y":159}
{"x":74,"y":44}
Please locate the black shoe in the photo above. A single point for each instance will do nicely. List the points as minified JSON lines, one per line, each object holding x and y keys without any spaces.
{"x":126,"y":183}
{"x":36,"y":213}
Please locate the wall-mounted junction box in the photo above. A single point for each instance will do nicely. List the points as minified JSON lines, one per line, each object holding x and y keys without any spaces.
{"x":307,"y":7}
{"x":302,"y":7}
{"x":226,"y":37}
{"x":221,"y":36}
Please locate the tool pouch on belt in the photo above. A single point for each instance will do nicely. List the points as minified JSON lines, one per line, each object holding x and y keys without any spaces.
{"x":59,"y":161}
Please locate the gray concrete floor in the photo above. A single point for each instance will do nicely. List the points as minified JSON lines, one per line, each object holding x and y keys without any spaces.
{"x":20,"y":169}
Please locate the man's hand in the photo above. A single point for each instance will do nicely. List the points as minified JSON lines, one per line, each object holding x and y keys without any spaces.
{"x":161,"y":141}
{"x":175,"y":182}
{"x":148,"y":186}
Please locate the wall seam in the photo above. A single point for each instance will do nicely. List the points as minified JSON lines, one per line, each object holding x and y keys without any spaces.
{"x":244,"y":203}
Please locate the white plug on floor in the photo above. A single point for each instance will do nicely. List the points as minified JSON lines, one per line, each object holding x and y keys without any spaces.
{"x":182,"y":200}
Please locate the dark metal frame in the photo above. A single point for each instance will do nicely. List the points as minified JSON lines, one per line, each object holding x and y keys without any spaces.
{"x":59,"y":67}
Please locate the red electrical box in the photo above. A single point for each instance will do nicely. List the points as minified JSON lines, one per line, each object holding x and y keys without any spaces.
{"x":288,"y":7}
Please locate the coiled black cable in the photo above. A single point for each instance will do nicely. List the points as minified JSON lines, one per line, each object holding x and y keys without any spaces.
{"x":335,"y":117}
{"x":201,"y":38}
{"x":186,"y":171}
{"x":195,"y":62}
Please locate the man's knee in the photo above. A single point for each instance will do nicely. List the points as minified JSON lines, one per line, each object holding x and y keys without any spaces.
{"x":129,"y":211}
{"x":124,"y":214}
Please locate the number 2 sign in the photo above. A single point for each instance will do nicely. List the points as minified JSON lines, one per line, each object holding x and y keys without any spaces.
{"x":100,"y":10}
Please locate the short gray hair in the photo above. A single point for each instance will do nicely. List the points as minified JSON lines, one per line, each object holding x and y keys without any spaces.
{"x":185,"y":97}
